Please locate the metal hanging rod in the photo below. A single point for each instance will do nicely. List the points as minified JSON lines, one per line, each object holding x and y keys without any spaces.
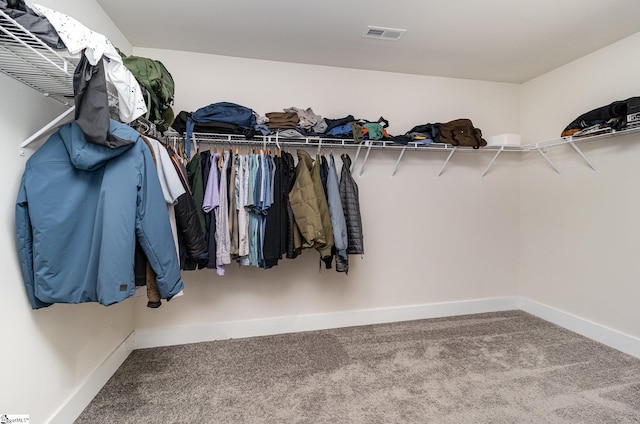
{"x":319,"y":143}
{"x":269,"y":140}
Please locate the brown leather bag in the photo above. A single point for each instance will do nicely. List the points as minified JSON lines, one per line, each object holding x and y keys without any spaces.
{"x":461,"y":132}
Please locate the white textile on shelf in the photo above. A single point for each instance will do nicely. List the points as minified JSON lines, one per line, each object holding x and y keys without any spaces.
{"x":77,"y":38}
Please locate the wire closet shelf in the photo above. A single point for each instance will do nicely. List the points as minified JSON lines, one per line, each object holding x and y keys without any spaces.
{"x":28,"y":59}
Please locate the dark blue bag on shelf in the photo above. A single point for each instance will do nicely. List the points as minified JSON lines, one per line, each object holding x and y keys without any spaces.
{"x":230,"y":113}
{"x":226,"y":112}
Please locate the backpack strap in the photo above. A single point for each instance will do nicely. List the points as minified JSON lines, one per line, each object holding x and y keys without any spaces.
{"x":477,"y":134}
{"x":383,"y":121}
{"x":190,"y":126}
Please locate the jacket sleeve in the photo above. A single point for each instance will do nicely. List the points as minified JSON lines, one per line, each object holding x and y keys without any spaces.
{"x":304,"y":203}
{"x":169,"y":180}
{"x":25,"y":245}
{"x":338,"y":222}
{"x":188,"y":225}
{"x":153,"y":229}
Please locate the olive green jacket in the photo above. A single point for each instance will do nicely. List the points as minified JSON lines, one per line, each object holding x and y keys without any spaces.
{"x":309,"y":206}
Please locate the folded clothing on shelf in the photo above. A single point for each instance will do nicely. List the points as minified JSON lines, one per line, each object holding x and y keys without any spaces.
{"x":282,"y":120}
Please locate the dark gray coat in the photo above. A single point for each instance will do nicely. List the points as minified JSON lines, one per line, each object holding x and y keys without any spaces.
{"x":351,"y":207}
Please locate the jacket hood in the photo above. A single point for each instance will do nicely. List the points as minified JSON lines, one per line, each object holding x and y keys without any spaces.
{"x":305,"y":158}
{"x":346,"y":160}
{"x":88,"y":156}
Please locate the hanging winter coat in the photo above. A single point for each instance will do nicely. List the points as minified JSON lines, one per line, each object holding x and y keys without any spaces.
{"x":351,"y":207}
{"x":305,"y":205}
{"x":323,"y":207}
{"x":338,"y":221}
{"x":80,"y":209}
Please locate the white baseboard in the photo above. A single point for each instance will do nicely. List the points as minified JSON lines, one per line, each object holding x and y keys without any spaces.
{"x":90,"y":387}
{"x":146,"y":338}
{"x":291,"y":324}
{"x":600,"y":333}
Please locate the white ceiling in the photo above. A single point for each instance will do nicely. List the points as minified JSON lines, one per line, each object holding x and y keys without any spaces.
{"x":493,"y":40}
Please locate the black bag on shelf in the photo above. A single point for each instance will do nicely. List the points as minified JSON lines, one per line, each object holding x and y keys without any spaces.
{"x":212,"y":127}
{"x":430,"y":131}
{"x":613,"y":116}
{"x":633,"y":112}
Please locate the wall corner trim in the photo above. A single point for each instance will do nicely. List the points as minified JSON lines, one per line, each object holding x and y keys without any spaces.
{"x":608,"y":336}
{"x":90,"y":387}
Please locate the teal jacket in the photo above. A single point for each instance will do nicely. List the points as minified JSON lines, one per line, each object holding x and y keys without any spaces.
{"x":80,"y":209}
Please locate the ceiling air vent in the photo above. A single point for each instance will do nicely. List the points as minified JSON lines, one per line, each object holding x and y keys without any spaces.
{"x":382,"y":33}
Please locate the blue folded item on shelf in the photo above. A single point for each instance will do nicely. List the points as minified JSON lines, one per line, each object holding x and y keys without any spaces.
{"x":340,"y":131}
{"x":226,"y":112}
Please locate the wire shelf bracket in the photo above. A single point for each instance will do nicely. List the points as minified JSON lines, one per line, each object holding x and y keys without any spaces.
{"x":395,"y":168}
{"x":366,"y":156}
{"x":493,"y":160}
{"x":541,"y":150}
{"x":582,"y":155}
{"x":444,"y":165}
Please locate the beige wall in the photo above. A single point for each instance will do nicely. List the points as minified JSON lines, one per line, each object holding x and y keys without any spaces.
{"x":405,"y":100}
{"x":553,"y":100}
{"x":427,"y":239}
{"x":579,"y":230}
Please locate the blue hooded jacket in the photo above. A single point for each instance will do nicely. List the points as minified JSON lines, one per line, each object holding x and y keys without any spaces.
{"x":80,"y":209}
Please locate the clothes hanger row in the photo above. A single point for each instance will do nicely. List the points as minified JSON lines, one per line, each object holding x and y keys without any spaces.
{"x":220,"y":146}
{"x":257,"y":146}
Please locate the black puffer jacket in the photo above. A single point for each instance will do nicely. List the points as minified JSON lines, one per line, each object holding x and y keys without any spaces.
{"x":351,"y":206}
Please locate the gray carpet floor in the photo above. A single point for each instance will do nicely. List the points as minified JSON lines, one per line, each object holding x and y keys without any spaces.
{"x":505,"y":367}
